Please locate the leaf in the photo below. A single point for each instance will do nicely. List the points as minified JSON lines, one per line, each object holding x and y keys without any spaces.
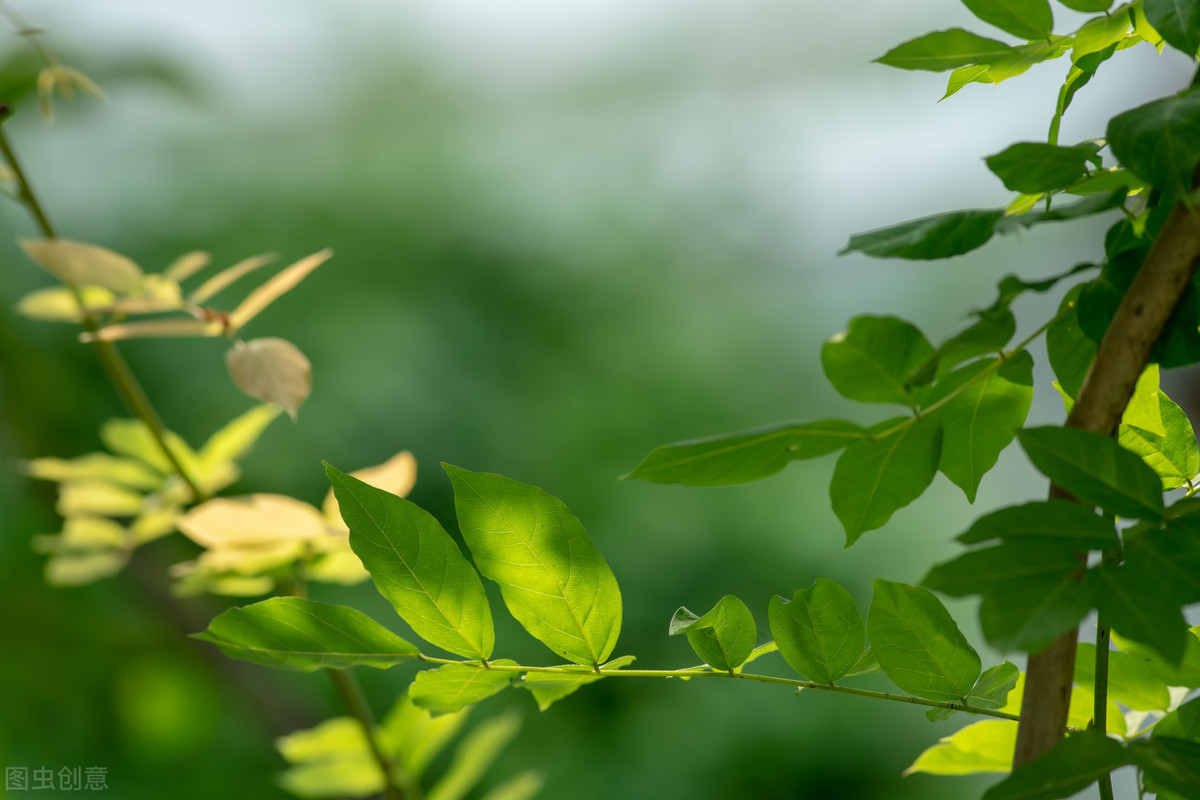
{"x":1169,"y":764}
{"x":292,"y":633}
{"x":1130,"y":681}
{"x":744,"y":457}
{"x":59,"y":304}
{"x":988,"y":334}
{"x":226,"y":277}
{"x":985,"y":746}
{"x":397,"y":475}
{"x":232,"y":442}
{"x":1087,"y":6}
{"x":1160,"y":141}
{"x":95,"y":466}
{"x":871,"y":360}
{"x":942,"y":50}
{"x":519,"y":787}
{"x":332,"y":759}
{"x":186,"y":266}
{"x":723,"y":637}
{"x":1182,"y":723}
{"x":1169,"y":560}
{"x":1177,"y":21}
{"x":874,"y":479}
{"x":990,"y":691}
{"x":1134,"y":600}
{"x":1069,"y":767}
{"x":548,"y":688}
{"x":1028,"y":613}
{"x":417,"y":567}
{"x":978,"y":571}
{"x":819,"y":632}
{"x":936,"y":236}
{"x":918,"y":644}
{"x":97,"y":497}
{"x":1186,"y":673}
{"x":976,"y":73}
{"x":474,"y":756}
{"x":1034,"y":167}
{"x":1025,"y":19}
{"x":1144,"y":410}
{"x":982,"y":420}
{"x":255,"y":520}
{"x":283,"y":281}
{"x":1070,"y":351}
{"x":84,"y":567}
{"x":83,"y":264}
{"x":1088,"y":206}
{"x":1173,"y":457}
{"x":552,"y":578}
{"x":1044,"y":520}
{"x":456,"y":686}
{"x":1100,"y":33}
{"x":271,"y":369}
{"x":1095,"y":469}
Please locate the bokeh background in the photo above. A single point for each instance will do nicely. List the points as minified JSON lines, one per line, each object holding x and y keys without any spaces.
{"x":564,"y":233}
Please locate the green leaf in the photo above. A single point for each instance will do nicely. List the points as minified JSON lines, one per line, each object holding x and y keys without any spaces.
{"x":1182,"y":723}
{"x":1132,"y":601}
{"x":519,"y":787}
{"x":455,"y":686}
{"x":985,"y":746}
{"x":417,"y":567}
{"x":988,"y":334}
{"x":1020,"y":58}
{"x":1033,"y":167}
{"x":1169,"y":560}
{"x":1045,"y":520}
{"x":92,"y":467}
{"x":1087,"y":6}
{"x":233,"y":441}
{"x":1174,"y":457}
{"x":1186,"y":673}
{"x":1070,"y":351}
{"x":83,"y":264}
{"x":943,"y":50}
{"x":1144,"y":410}
{"x":332,"y":759}
{"x":1028,"y":613}
{"x":872,"y":480}
{"x":724,"y":637}
{"x":1025,"y":19}
{"x":1160,"y":141}
{"x":1099,"y":33}
{"x":978,"y":571}
{"x":990,"y":691}
{"x":983,"y":419}
{"x":1069,"y":767}
{"x":819,"y":632}
{"x":932,"y":237}
{"x":1177,"y":21}
{"x":1088,"y":206}
{"x":415,"y":736}
{"x":1169,"y":764}
{"x":548,"y":688}
{"x":871,"y":360}
{"x":976,"y":73}
{"x":1130,"y":681}
{"x":918,"y":644}
{"x":474,"y":756}
{"x":1095,"y":469}
{"x":744,"y":457}
{"x":551,"y":576}
{"x":291,"y":633}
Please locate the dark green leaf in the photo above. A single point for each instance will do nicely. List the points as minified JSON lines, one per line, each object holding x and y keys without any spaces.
{"x":820,"y":632}
{"x":724,"y":637}
{"x":918,"y":644}
{"x":987,"y":335}
{"x":936,"y":236}
{"x":551,"y":576}
{"x":871,"y":360}
{"x":455,"y":686}
{"x":1182,"y":723}
{"x":1025,"y":19}
{"x":1095,"y":469}
{"x":943,"y":50}
{"x":1027,"y":614}
{"x":1160,"y":141}
{"x":1130,"y":681}
{"x":1087,"y":6}
{"x":1177,"y":21}
{"x":1033,"y":167}
{"x":1079,"y":76}
{"x":1169,"y":560}
{"x":1045,"y":520}
{"x":1169,"y":764}
{"x":417,"y":567}
{"x":1070,"y":351}
{"x":1088,"y":206}
{"x":872,"y":480}
{"x":291,"y":633}
{"x":550,"y":687}
{"x":1129,"y":598}
{"x":978,"y":571}
{"x":744,"y":457}
{"x":1069,"y":767}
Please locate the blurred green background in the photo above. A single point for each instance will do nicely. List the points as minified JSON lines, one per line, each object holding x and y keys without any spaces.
{"x":563,"y":234}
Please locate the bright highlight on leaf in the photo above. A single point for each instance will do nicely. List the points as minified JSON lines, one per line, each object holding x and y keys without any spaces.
{"x":453,"y":687}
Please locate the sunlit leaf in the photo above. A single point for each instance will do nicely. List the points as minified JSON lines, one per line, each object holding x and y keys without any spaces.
{"x":78,"y":568}
{"x":1174,"y":457}
{"x":1186,"y":673}
{"x":97,"y":497}
{"x":1098,"y":33}
{"x":83,"y":264}
{"x":1130,"y":681}
{"x":548,"y":688}
{"x":283,"y":281}
{"x":271,"y":369}
{"x":232,"y":442}
{"x":985,"y":746}
{"x":95,"y":466}
{"x":396,"y":475}
{"x":186,"y":266}
{"x":59,"y":304}
{"x":252,"y":521}
{"x":723,"y":637}
{"x":819,"y":632}
{"x":455,"y":686}
{"x":417,"y":737}
{"x":474,"y":756}
{"x":976,"y":73}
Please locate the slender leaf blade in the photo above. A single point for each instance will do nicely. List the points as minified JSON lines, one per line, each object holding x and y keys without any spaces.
{"x":943,"y":50}
{"x":933,"y":237}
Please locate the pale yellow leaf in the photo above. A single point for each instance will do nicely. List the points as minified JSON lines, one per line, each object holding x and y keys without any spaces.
{"x":233,"y":441}
{"x":271,"y":369}
{"x":151,"y":328}
{"x":77,"y":569}
{"x":131,"y":437}
{"x":154,"y":524}
{"x":277,"y":285}
{"x":396,"y":475}
{"x":227,"y":276}
{"x":252,"y":521}
{"x":186,"y":266}
{"x":338,"y":565}
{"x":58,"y":303}
{"x":102,"y":466}
{"x":96,"y":497}
{"x":154,"y":294}
{"x":84,"y":533}
{"x":247,"y":561}
{"x":84,"y":264}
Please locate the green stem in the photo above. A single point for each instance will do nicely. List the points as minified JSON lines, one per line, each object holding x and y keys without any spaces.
{"x":352,"y":697}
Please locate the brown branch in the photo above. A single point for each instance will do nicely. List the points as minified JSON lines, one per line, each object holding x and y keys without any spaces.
{"x":1102,"y":399}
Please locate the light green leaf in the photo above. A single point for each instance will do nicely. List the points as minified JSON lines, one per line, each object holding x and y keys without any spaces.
{"x":1160,"y":141}
{"x":872,"y":360}
{"x":131,"y":438}
{"x":59,"y":304}
{"x":95,"y":466}
{"x":1174,"y":457}
{"x":1095,"y":469}
{"x":819,"y":632}
{"x":1033,"y":167}
{"x":990,"y":691}
{"x":744,"y":457}
{"x":1088,"y":206}
{"x":1024,"y":56}
{"x":455,"y":686}
{"x":474,"y":756}
{"x":232,"y":442}
{"x":918,"y":644}
{"x":1047,"y":520}
{"x":1187,"y":673}
{"x":78,"y":568}
{"x":1144,"y":410}
{"x":1177,"y":21}
{"x":1069,"y":767}
{"x":1182,"y":723}
{"x":332,"y":759}
{"x":978,"y":571}
{"x":943,"y":50}
{"x":872,"y":480}
{"x":1028,"y":613}
{"x":987,"y":335}
{"x":1025,"y":19}
{"x":724,"y":637}
{"x":932,"y":237}
{"x":415,"y":736}
{"x":982,"y":420}
{"x":551,"y":576}
{"x":292,"y":633}
{"x":985,"y":746}
{"x":976,"y":73}
{"x":417,"y":567}
{"x":548,"y":688}
{"x":519,"y":787}
{"x":1099,"y":33}
{"x":1130,"y":681}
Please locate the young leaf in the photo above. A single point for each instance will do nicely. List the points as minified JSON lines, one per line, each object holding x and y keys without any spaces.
{"x":985,"y":746}
{"x":474,"y":756}
{"x":1170,"y":765}
{"x":186,"y":266}
{"x":283,"y":281}
{"x":94,"y":466}
{"x":873,"y":479}
{"x":292,"y":633}
{"x":1160,"y":141}
{"x":59,"y":304}
{"x":942,"y":50}
{"x":548,"y":688}
{"x":226,"y":277}
{"x":1034,"y":167}
{"x":455,"y":686}
{"x":871,"y":360}
{"x":1144,"y":411}
{"x":1069,"y":767}
{"x":1028,"y":613}
{"x":1174,"y":457}
{"x":551,"y":576}
{"x":976,"y":73}
{"x":331,"y":760}
{"x":724,"y":637}
{"x":1130,"y":681}
{"x":819,"y":632}
{"x":417,"y":567}
{"x":1025,"y":19}
{"x":233,"y":441}
{"x":1177,"y":21}
{"x":1099,"y":33}
{"x":1045,"y":520}
{"x":1095,"y":469}
{"x":271,"y":369}
{"x":744,"y":457}
{"x":83,"y":264}
{"x":918,"y":644}
{"x":397,"y":475}
{"x":990,"y":691}
{"x":932,"y":237}
{"x":982,"y":420}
